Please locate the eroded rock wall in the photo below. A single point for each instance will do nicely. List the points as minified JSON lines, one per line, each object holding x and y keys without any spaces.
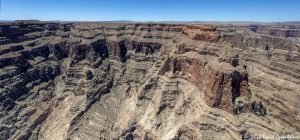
{"x":146,"y":81}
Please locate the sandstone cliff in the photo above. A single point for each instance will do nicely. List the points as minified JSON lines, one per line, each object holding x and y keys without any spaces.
{"x":148,"y":81}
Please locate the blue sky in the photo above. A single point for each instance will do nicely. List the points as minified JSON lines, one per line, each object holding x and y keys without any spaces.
{"x":152,"y":10}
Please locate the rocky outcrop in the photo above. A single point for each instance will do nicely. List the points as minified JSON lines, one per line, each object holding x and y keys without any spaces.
{"x":204,"y":33}
{"x":220,"y":86}
{"x":147,"y":81}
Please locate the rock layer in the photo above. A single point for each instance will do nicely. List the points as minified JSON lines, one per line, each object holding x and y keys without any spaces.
{"x":147,"y":81}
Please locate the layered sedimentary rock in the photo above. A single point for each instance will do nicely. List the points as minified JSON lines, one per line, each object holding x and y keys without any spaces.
{"x":277,"y":30}
{"x":147,"y":81}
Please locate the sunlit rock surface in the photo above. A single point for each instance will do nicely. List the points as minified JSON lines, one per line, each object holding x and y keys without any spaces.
{"x":88,"y":81}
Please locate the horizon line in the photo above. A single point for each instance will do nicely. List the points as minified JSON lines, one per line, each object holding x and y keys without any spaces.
{"x":226,"y":21}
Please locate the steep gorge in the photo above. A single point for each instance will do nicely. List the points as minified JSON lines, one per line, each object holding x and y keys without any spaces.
{"x":146,"y":81}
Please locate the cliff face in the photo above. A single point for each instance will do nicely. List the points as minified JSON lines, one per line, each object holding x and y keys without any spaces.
{"x":277,"y":30}
{"x":146,"y":81}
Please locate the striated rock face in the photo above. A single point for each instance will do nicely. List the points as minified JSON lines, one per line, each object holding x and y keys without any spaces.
{"x":148,"y":81}
{"x":277,"y":30}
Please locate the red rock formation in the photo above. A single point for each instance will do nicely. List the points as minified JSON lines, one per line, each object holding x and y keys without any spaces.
{"x":204,"y":33}
{"x":146,"y":81}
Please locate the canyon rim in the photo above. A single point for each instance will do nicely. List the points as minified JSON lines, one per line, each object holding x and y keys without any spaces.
{"x":94,"y":80}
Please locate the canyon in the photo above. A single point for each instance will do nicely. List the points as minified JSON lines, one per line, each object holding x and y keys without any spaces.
{"x":152,"y":81}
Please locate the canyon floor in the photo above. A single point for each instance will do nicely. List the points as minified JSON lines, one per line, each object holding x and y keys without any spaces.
{"x":91,"y":81}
